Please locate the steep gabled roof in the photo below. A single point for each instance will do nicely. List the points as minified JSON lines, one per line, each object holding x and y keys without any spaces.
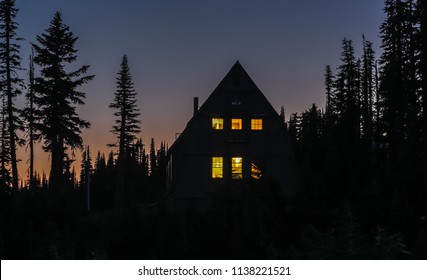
{"x":237,"y":72}
{"x":237,"y":79}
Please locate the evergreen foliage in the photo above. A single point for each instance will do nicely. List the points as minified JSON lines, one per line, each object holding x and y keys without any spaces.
{"x":126,"y":126}
{"x":57,"y":95}
{"x":11,"y":84}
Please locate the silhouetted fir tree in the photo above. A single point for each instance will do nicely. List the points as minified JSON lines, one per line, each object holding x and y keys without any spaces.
{"x":5,"y":178}
{"x":400,"y":96}
{"x":139,"y":151}
{"x":368,"y":90}
{"x":29,"y":114}
{"x":57,"y":95}
{"x":294,"y":130}
{"x":422,"y":14}
{"x":377,"y":107}
{"x":37,"y":183}
{"x":330,"y":115}
{"x":393,"y":77}
{"x":85,"y":167}
{"x":100,"y":162}
{"x":413,"y":105}
{"x":153,"y":159}
{"x":10,"y":64}
{"x":68,"y":177}
{"x":329,"y":83}
{"x":347,"y":96}
{"x":311,"y":128}
{"x":145,"y":163}
{"x":126,"y":126}
{"x":103,"y":183}
{"x":161,"y":171}
{"x":111,"y":165}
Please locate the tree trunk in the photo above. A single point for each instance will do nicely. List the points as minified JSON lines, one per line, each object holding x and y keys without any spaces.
{"x":56,"y":170}
{"x":10,"y":109}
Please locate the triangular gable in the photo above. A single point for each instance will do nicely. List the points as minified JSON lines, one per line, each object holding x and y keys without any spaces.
{"x":236,"y":89}
{"x":237,"y":80}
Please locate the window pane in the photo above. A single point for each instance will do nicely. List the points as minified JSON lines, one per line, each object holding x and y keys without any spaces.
{"x":256,"y":172}
{"x":217,"y":124}
{"x":236,"y":124}
{"x":236,"y":168}
{"x":217,"y":167}
{"x":256,"y":124}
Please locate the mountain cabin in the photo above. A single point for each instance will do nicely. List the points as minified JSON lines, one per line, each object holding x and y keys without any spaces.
{"x":236,"y":144}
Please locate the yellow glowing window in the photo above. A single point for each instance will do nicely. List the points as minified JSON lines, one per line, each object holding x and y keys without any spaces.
{"x":256,"y":124}
{"x":236,"y":124}
{"x":236,"y":168}
{"x":217,"y":124}
{"x":217,"y":167}
{"x":256,"y":172}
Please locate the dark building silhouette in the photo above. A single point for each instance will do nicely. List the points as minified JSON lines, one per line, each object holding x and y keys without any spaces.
{"x":236,"y":144}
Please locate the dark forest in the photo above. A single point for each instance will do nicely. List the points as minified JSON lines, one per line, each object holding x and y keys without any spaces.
{"x":361,"y":162}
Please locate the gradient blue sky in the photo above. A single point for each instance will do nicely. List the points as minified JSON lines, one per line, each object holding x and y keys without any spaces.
{"x":181,"y":49}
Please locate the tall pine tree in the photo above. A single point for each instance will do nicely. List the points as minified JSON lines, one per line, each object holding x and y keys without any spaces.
{"x":346,"y":96}
{"x":393,"y":74}
{"x":12,"y":84}
{"x":422,"y":6}
{"x":30,"y":114}
{"x":368,"y":90}
{"x":126,"y":126}
{"x":57,"y":94}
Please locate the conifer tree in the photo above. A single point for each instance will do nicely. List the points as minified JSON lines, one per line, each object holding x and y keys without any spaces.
{"x":311,"y":129}
{"x":294,"y":130}
{"x":126,"y":126}
{"x":10,"y":64}
{"x":85,"y":167}
{"x":329,"y":82}
{"x":346,"y":95}
{"x":367,"y":88}
{"x":161,"y":172}
{"x":110,"y":162}
{"x":58,"y":95}
{"x":393,"y":79}
{"x":330,"y":114}
{"x":153,"y":159}
{"x":5,"y":178}
{"x":100,"y":162}
{"x":422,"y":15}
{"x":29,"y":115}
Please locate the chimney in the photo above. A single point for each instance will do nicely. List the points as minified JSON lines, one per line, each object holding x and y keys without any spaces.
{"x":196,"y":105}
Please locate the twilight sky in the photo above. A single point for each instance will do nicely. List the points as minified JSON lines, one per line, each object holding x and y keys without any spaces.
{"x":181,"y":49}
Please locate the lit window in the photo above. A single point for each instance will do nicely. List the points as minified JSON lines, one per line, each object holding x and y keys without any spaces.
{"x":217,"y":124}
{"x":256,"y":124}
{"x":236,"y":168}
{"x":217,"y":164}
{"x":236,"y":124}
{"x":256,"y":172}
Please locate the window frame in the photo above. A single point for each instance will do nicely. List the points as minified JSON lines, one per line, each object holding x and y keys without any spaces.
{"x":220,"y":124}
{"x":217,"y":165}
{"x":257,"y":124}
{"x":238,"y":121}
{"x":236,"y":166}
